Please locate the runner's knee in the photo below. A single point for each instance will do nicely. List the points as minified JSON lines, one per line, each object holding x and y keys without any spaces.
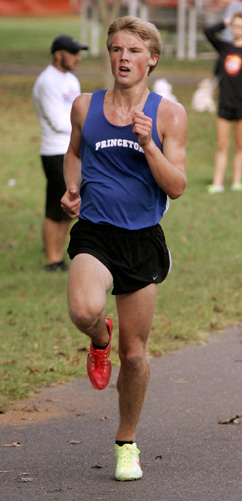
{"x":132,"y":360}
{"x":86,"y":316}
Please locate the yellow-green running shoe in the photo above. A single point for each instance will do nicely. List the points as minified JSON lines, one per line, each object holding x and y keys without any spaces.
{"x":236,"y":187}
{"x":128,"y":464}
{"x":213,"y":188}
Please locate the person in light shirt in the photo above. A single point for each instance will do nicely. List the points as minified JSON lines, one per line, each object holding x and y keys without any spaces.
{"x":53,"y":94}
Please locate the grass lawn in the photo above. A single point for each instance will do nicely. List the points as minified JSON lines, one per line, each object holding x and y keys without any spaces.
{"x":39,"y":345}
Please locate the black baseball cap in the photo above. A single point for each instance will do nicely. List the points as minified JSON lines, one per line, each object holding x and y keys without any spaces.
{"x":65,"y":42}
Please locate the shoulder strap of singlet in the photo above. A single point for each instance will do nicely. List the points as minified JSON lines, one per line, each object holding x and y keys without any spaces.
{"x":96,"y":104}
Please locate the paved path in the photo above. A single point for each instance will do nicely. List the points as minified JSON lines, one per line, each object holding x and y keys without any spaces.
{"x":186,"y":454}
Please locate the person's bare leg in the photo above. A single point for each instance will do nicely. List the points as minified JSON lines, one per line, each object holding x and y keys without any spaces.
{"x":136,"y":311}
{"x":64,"y":229}
{"x":89,"y":281}
{"x":54,"y":237}
{"x":237,"y":164}
{"x":223,"y":129}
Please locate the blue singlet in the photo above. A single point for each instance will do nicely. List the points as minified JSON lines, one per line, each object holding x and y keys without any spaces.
{"x":117,"y":185}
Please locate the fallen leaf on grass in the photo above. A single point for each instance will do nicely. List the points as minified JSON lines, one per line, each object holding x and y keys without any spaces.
{"x":25,"y":334}
{"x":9,"y":362}
{"x":32,"y":370}
{"x":56,"y":319}
{"x":97,"y":465}
{"x":12,"y":444}
{"x":9,"y":244}
{"x":179,"y":337}
{"x":233,"y":420}
{"x":213,"y":325}
{"x":12,"y":321}
{"x":217,"y":308}
{"x":76,"y":361}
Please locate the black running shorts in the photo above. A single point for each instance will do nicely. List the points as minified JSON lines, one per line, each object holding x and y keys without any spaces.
{"x":230,"y":113}
{"x":55,"y":189}
{"x":135,"y":258}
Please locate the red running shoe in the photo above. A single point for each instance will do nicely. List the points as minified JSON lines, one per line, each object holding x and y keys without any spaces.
{"x":98,"y":366}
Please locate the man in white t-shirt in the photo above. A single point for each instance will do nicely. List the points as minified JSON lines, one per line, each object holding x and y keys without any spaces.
{"x":53,"y":94}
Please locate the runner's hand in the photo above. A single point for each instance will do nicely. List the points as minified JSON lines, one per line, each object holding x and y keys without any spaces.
{"x":142,"y":126}
{"x":71,"y":201}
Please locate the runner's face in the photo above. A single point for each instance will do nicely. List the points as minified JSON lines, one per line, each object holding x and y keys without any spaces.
{"x":69,"y":61}
{"x":130,"y":58}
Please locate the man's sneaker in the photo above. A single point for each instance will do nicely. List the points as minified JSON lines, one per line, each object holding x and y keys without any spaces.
{"x":59,"y":266}
{"x":128,"y":465}
{"x":213,"y":188}
{"x":236,"y":187}
{"x":98,"y":366}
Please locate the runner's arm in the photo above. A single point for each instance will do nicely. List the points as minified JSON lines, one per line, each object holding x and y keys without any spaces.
{"x":168,"y":167}
{"x":71,"y":201}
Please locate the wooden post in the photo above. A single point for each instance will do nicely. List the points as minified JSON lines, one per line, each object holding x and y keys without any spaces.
{"x":181,"y":29}
{"x":94,"y":31}
{"x":192,"y":32}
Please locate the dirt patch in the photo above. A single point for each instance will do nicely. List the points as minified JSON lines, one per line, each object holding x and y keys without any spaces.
{"x":49,"y":404}
{"x":76,"y":398}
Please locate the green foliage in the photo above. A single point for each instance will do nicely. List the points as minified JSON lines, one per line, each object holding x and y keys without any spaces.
{"x":39,"y":344}
{"x":28,"y":41}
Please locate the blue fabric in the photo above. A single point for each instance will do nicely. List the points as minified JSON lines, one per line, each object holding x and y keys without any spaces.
{"x":118,"y":187}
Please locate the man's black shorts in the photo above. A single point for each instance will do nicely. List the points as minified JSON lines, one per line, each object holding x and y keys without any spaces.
{"x":55,"y":189}
{"x":135,"y":258}
{"x":229,"y":113}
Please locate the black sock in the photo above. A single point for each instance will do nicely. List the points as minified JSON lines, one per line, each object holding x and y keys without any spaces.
{"x":96,"y":347}
{"x":121,"y":442}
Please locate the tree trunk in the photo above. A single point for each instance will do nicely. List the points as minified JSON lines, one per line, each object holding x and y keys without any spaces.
{"x":95,"y":32}
{"x":84,"y":23}
{"x":107,"y":15}
{"x":181,"y":29}
{"x":192,"y":32}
